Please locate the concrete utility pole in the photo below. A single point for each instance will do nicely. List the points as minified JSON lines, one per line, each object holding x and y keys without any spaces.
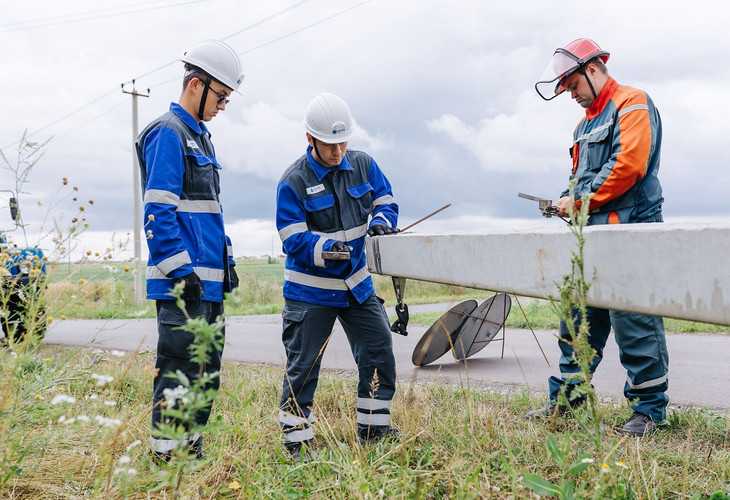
{"x":137,"y":196}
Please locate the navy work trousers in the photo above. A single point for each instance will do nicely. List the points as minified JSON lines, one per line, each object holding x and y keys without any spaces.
{"x":306,"y":331}
{"x":173,"y":355}
{"x":642,"y":350}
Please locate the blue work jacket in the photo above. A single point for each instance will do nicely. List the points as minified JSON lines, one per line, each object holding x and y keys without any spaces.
{"x":316,"y":206}
{"x":183,"y":214}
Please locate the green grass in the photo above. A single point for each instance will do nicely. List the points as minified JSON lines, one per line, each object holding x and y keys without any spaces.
{"x":459,"y":442}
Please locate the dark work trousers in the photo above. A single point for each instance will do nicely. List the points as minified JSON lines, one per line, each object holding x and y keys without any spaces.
{"x":306,"y":329}
{"x":642,"y":350}
{"x":173,"y":354}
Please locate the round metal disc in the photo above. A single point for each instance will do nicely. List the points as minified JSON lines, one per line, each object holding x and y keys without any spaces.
{"x":482,"y":325}
{"x":440,"y":336}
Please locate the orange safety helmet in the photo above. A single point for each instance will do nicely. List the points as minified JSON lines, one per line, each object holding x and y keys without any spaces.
{"x":566,"y":61}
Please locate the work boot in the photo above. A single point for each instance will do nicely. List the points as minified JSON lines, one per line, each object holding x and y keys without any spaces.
{"x":302,"y":451}
{"x":374,"y":434}
{"x":552,"y":407}
{"x":639,"y":425}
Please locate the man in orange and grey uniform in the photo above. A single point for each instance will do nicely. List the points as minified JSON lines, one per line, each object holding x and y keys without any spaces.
{"x":615,"y":154}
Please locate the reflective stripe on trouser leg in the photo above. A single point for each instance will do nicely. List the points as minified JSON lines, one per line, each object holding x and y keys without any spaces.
{"x":373,"y":412}
{"x":296,"y":429}
{"x":306,"y":329}
{"x":368,"y":331}
{"x":173,"y":355}
{"x":643,"y":352}
{"x":599,"y":328}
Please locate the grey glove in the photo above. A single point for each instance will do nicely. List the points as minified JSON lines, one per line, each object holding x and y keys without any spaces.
{"x":193,"y":291}
{"x":381,"y":230}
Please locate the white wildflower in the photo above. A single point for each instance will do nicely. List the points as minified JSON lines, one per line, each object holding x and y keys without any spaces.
{"x":134,"y":444}
{"x":124,"y":459}
{"x":118,"y":354}
{"x":107,"y":422}
{"x":110,"y":403}
{"x":173,"y":395}
{"x":62,"y":398}
{"x":102,"y":380}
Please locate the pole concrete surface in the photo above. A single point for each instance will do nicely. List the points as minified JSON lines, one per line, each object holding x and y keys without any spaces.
{"x":136,"y":198}
{"x":672,"y":270}
{"x":256,"y":340}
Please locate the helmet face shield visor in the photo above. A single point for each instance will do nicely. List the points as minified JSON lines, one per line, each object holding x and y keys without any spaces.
{"x":561,"y":66}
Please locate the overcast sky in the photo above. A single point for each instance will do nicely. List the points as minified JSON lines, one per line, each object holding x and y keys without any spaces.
{"x":442,"y":93}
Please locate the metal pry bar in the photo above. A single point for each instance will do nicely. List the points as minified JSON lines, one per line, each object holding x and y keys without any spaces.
{"x":547,"y":209}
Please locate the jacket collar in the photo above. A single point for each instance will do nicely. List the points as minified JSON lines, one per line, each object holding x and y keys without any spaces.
{"x":196,"y":126}
{"x":601,"y":100}
{"x":320,"y":170}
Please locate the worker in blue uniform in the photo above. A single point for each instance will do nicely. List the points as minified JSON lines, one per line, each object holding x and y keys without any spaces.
{"x":184,"y":223}
{"x":327,"y":202}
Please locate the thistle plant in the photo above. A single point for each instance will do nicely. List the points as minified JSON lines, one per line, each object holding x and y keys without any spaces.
{"x":571,"y":309}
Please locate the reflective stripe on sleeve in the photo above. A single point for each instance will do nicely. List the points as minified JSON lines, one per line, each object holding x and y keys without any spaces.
{"x":171,"y":263}
{"x":383,"y":200}
{"x":292,"y":229}
{"x":635,"y":107}
{"x":318,"y":260}
{"x":161,"y":196}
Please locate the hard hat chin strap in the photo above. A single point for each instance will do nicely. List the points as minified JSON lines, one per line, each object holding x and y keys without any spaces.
{"x":583,"y":70}
{"x":203,"y":98}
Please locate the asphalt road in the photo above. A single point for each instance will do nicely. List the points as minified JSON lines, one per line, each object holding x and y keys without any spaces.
{"x":699,"y":370}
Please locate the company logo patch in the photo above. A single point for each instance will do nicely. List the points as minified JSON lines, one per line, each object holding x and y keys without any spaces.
{"x":315,"y":189}
{"x":192,"y":144}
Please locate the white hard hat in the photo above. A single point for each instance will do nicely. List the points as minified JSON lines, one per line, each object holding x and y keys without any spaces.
{"x":328,"y":119}
{"x":217,"y":59}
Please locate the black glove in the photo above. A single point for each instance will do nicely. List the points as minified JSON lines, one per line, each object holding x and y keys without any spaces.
{"x":338,"y":251}
{"x":339,"y":246}
{"x":193,"y":291}
{"x":381,"y":230}
{"x":232,"y":277}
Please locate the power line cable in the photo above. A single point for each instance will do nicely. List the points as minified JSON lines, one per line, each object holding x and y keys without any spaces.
{"x":69,"y":21}
{"x":174,"y":61}
{"x":304,"y":28}
{"x":250,"y":26}
{"x":53,"y":18}
{"x":87,"y":122}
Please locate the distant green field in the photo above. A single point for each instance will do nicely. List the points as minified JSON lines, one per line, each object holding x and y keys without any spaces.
{"x":121,"y":272}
